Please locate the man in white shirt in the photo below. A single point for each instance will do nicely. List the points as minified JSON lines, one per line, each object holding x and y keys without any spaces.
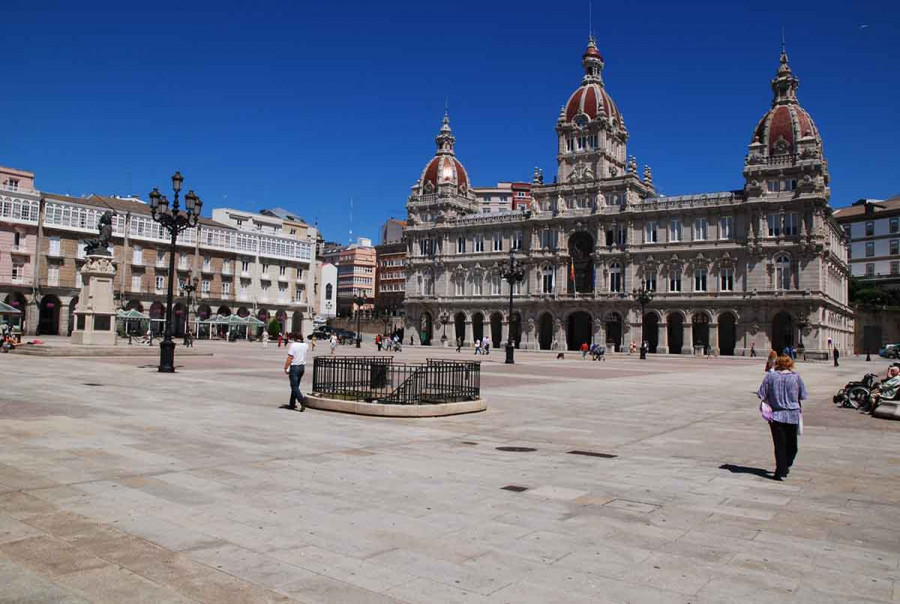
{"x":294,"y":366}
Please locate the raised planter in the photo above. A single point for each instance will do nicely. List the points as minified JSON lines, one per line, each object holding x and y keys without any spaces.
{"x":393,"y":410}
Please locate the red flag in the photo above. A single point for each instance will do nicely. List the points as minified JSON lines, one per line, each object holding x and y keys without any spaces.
{"x":572,"y":270}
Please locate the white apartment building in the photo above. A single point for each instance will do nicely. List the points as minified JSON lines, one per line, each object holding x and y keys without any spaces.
{"x":873,"y":227}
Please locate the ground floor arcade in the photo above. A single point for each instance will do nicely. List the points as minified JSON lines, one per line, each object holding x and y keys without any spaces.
{"x":667,"y":329}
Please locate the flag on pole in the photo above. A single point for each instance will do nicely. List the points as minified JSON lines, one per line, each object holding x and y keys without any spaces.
{"x":572,"y":270}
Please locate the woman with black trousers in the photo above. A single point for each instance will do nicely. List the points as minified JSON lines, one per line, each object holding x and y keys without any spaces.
{"x":782,"y":390}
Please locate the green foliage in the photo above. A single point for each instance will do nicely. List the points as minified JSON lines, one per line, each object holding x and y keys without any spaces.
{"x":865,"y":294}
{"x":274,"y":328}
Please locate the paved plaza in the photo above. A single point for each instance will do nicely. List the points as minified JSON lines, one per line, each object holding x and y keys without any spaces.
{"x":118,"y":484}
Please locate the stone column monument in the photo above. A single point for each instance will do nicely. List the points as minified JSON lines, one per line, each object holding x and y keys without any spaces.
{"x":95,"y":315}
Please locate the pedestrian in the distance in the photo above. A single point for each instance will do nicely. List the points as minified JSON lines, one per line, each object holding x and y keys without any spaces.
{"x":458,"y":344}
{"x":265,"y":339}
{"x":584,"y":350}
{"x":835,"y":355}
{"x":333,"y":342}
{"x":477,"y":345}
{"x":486,"y":345}
{"x":752,"y":349}
{"x":783,"y":390}
{"x":280,"y":339}
{"x":294,"y":366}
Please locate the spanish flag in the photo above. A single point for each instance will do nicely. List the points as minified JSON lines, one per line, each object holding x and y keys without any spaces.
{"x":571,"y":270}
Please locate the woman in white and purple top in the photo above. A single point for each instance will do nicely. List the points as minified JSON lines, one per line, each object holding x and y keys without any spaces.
{"x":783,"y":390}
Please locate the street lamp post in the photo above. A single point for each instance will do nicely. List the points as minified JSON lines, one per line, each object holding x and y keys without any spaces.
{"x":359,"y":301}
{"x":175,"y":221}
{"x":444,"y":318}
{"x":187,"y":291}
{"x":642,"y":296}
{"x":513,"y":273}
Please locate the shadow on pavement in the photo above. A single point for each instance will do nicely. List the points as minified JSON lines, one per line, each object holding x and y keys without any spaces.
{"x":744,"y":470}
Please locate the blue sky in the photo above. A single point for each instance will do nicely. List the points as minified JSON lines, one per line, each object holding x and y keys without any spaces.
{"x":305,"y":105}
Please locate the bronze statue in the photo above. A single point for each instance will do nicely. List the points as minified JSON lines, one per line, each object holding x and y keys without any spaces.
{"x":100,"y":245}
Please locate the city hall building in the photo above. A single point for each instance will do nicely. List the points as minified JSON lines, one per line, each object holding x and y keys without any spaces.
{"x":765,"y":265}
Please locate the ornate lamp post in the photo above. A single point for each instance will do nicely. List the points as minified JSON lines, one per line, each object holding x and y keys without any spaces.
{"x":444,"y":318}
{"x":175,"y":221}
{"x":187,"y":291}
{"x":642,"y":296}
{"x":513,"y":273}
{"x":359,"y":301}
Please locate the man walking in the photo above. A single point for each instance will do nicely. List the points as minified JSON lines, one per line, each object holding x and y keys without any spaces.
{"x":835,"y":355}
{"x":294,"y":366}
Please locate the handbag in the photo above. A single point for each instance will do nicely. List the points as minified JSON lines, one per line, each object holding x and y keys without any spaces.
{"x":766,"y":411}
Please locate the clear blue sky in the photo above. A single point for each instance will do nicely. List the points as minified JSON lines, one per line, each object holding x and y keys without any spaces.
{"x":307,"y":104}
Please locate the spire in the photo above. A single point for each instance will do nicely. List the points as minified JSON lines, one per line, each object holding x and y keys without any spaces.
{"x":785,"y":83}
{"x":445,"y":139}
{"x":592,"y":61}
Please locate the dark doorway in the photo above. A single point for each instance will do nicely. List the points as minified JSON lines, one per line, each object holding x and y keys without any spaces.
{"x":478,"y":326}
{"x":296,"y":322}
{"x":425,"y":328}
{"x":496,"y":330}
{"x":727,"y":334}
{"x":614,"y":332}
{"x":224,"y":311}
{"x":675,"y":332}
{"x":48,"y":318}
{"x":72,"y":305}
{"x":179,"y":317}
{"x":650,"y":331}
{"x":545,"y":337}
{"x":515,"y":329}
{"x":157,"y":317}
{"x":700,"y":330}
{"x":579,"y":330}
{"x":782,"y":332}
{"x":459,"y":322}
{"x":581,"y":246}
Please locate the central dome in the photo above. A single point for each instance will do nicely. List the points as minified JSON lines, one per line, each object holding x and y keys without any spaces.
{"x":444,"y":171}
{"x":590,"y":100}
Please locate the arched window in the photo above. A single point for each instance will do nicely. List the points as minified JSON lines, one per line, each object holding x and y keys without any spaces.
{"x":328,"y":291}
{"x":783,"y":277}
{"x":615,"y":277}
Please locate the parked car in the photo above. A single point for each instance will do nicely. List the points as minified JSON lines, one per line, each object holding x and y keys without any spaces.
{"x":890,"y":351}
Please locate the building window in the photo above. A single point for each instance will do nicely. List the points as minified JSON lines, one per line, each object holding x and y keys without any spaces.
{"x":726,"y":280}
{"x":847,"y":230}
{"x":160,"y":283}
{"x":265,"y":269}
{"x":478,"y":243}
{"x":282,"y":270}
{"x":726,"y":227}
{"x":460,"y":245}
{"x":615,"y":277}
{"x":498,"y":242}
{"x":621,"y":234}
{"x":650,"y":282}
{"x":517,"y":240}
{"x":53,"y":275}
{"x":870,"y":269}
{"x":226,"y":289}
{"x":548,"y":239}
{"x":137,"y":255}
{"x":675,"y":230}
{"x":207,"y":263}
{"x":894,"y":225}
{"x":895,"y":247}
{"x":870,"y":228}
{"x":135,"y":283}
{"x":54,"y":246}
{"x":791,"y":224}
{"x":895,"y":267}
{"x":547,"y":280}
{"x":774,"y":223}
{"x":245,"y":267}
{"x":651,"y":234}
{"x":783,"y":272}
{"x":13,"y":184}
{"x":701,"y":229}
{"x":700,"y":280}
{"x":17,"y":240}
{"x":18,"y":272}
{"x":674,"y":280}
{"x":870,"y":249}
{"x":205,"y":286}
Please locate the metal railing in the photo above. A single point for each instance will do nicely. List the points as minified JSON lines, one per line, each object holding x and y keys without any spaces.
{"x":380,"y":379}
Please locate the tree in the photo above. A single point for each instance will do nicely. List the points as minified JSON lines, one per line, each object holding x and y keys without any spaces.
{"x":274,"y":328}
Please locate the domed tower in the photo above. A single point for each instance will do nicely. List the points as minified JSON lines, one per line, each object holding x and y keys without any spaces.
{"x":443,"y":189}
{"x":591,"y":131}
{"x":786,"y":151}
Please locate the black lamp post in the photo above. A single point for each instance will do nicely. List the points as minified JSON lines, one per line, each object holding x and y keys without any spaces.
{"x":513,"y":273}
{"x":444,"y":318}
{"x":187,"y":291}
{"x":642,"y":296}
{"x":175,"y":221}
{"x":359,"y":301}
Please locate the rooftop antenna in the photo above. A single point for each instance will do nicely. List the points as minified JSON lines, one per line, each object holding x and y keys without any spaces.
{"x":590,"y":19}
{"x":782,"y":39}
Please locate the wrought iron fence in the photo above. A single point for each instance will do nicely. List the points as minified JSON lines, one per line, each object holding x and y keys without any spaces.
{"x":380,"y":379}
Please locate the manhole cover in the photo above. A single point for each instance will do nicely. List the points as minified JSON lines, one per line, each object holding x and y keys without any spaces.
{"x":593,"y":454}
{"x":516,"y":449}
{"x":514,"y":488}
{"x":91,"y":384}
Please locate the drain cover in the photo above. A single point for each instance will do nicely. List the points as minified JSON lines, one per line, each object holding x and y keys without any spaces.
{"x":516,"y":449}
{"x":593,"y":454}
{"x":514,"y":488}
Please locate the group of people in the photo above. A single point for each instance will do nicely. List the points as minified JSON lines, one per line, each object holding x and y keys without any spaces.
{"x":482,"y":345}
{"x":7,"y":339}
{"x":387,"y":342}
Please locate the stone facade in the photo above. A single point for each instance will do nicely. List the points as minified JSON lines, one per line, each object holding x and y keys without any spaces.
{"x":764,"y":266}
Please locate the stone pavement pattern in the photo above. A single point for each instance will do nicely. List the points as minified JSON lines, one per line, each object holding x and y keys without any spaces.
{"x":121,"y":485}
